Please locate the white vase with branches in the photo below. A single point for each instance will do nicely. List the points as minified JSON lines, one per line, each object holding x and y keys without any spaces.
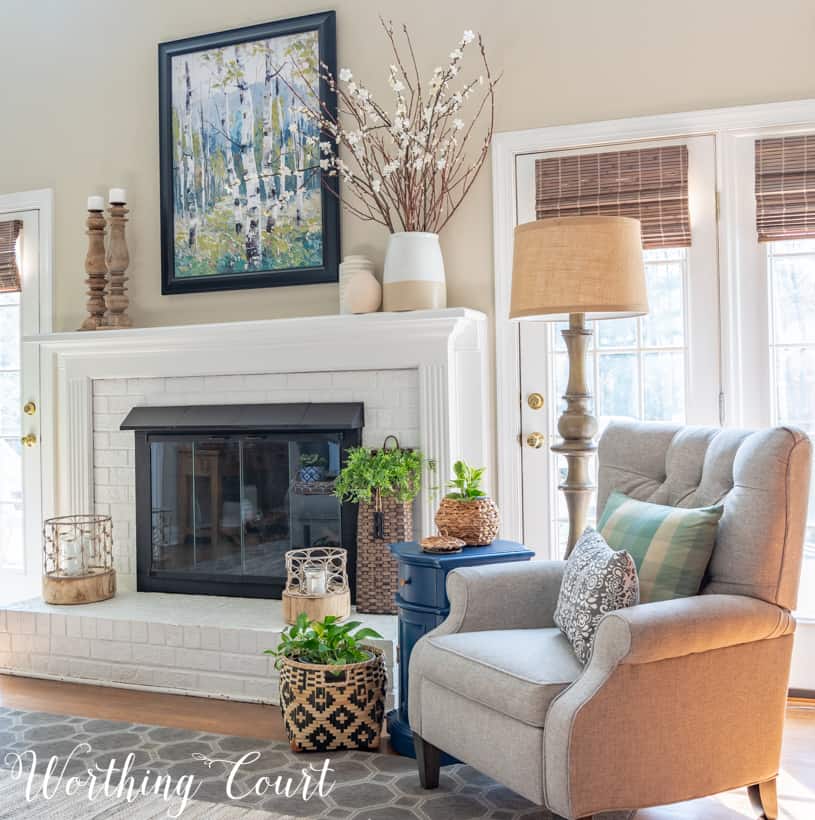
{"x":410,"y":164}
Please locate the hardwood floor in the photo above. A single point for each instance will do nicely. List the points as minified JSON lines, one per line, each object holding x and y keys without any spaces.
{"x":796,"y":787}
{"x":203,"y":714}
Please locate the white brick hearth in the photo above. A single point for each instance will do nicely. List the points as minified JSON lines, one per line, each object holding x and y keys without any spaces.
{"x":186,"y":644}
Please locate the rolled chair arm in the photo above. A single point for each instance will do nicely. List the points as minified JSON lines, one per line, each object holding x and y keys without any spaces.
{"x":684,"y":626}
{"x":665,"y":683}
{"x":502,"y":596}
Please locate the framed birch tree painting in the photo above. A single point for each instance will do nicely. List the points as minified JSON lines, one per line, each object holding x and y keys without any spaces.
{"x":242,"y":204}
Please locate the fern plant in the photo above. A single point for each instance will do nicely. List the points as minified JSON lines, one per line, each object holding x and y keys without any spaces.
{"x":389,"y":473}
{"x":466,"y":486}
{"x":326,"y":642}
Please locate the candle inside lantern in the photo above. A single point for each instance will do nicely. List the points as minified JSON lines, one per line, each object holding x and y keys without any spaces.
{"x":316,"y":580}
{"x":70,"y":555}
{"x":117,"y":196}
{"x":96,"y":203}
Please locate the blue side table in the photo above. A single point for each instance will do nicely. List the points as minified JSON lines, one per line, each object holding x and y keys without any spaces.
{"x":422,"y":604}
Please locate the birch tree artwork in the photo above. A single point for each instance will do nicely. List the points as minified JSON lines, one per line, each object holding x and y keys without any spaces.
{"x":246,"y":187}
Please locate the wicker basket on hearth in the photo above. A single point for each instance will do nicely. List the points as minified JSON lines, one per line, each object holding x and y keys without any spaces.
{"x":377,"y":569}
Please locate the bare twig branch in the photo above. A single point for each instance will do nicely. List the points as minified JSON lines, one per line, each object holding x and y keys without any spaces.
{"x":412,"y":168}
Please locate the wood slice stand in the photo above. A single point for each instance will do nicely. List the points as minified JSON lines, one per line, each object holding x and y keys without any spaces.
{"x":316,"y":607}
{"x":95,"y":585}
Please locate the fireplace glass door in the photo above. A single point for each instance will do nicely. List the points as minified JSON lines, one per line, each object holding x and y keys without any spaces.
{"x":227,"y":508}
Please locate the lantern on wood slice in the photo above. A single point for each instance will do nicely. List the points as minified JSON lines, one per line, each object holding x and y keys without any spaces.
{"x":316,"y":583}
{"x":78,"y":559}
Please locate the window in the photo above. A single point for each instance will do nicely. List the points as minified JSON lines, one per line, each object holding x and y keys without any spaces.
{"x":639,"y":364}
{"x":660,"y":367}
{"x":790,"y":268}
{"x":11,"y":471}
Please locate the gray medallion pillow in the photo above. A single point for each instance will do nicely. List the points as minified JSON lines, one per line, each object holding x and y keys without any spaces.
{"x":597,"y":580}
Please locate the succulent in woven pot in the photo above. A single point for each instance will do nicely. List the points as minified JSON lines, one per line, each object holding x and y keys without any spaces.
{"x":332,"y":685}
{"x":466,"y":512}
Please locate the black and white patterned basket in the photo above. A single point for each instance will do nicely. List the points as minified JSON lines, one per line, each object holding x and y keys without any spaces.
{"x":331,"y":708}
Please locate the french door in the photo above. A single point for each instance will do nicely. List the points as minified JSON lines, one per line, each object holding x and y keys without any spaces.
{"x":663,"y":366}
{"x":20,"y":463}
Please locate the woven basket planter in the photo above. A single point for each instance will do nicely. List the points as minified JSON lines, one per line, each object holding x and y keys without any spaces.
{"x":474,"y":522}
{"x":377,"y":569}
{"x":327,"y":708}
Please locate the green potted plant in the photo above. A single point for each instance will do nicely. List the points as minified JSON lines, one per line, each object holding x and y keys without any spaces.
{"x":320,"y":657}
{"x":384,"y":483}
{"x":466,"y":512}
{"x":312,"y":467}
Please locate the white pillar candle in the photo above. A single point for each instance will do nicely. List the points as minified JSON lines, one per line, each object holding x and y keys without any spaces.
{"x":316,"y":580}
{"x":96,"y":203}
{"x":70,"y":555}
{"x":117,"y":196}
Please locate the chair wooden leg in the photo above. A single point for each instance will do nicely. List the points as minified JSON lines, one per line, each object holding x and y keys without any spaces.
{"x":764,"y":799}
{"x":428,"y":758}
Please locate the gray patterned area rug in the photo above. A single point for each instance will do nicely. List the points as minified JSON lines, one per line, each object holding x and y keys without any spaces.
{"x":182,"y":773}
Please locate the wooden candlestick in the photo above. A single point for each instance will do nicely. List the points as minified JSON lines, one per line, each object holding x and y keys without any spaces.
{"x":118,"y":259}
{"x":97,"y":271}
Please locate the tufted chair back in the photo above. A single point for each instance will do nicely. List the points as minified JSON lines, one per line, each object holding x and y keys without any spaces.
{"x":761,"y":476}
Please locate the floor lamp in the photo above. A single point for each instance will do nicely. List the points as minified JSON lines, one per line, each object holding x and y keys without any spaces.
{"x":581,"y":268}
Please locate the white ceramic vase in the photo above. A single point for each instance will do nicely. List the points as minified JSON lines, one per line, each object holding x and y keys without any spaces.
{"x":349,"y":268}
{"x":413,"y":278}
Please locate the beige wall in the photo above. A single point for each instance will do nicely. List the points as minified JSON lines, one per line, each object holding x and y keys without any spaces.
{"x":79,"y":102}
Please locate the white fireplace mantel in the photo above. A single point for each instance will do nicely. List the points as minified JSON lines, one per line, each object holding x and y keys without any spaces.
{"x":448,"y":348}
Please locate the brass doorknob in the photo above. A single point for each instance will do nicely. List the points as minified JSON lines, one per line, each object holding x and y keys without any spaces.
{"x":30,"y":440}
{"x":535,"y":401}
{"x":29,"y":408}
{"x":535,"y":440}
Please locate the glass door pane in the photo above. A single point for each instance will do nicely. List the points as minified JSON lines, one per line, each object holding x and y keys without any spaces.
{"x":791,"y":279}
{"x":639,"y":365}
{"x":11,"y":450}
{"x":234,"y":505}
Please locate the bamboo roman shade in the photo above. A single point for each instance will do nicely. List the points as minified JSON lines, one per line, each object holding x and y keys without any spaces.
{"x":648,"y":184}
{"x":9,"y":272}
{"x":785,"y":187}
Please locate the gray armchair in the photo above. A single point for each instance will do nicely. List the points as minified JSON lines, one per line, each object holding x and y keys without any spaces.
{"x":680,"y":698}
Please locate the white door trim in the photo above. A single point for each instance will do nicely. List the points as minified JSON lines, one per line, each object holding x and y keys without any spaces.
{"x":37,"y":210}
{"x":722,"y":123}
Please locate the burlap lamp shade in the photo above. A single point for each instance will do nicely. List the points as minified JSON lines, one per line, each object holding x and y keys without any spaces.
{"x":580,"y":268}
{"x":578,"y":264}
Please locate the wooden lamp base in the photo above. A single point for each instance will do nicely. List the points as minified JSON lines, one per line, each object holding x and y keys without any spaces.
{"x":577,"y":428}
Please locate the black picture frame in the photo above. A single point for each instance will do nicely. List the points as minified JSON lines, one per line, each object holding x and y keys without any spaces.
{"x":324,"y":23}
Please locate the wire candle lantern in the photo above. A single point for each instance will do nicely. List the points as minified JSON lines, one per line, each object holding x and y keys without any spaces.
{"x":78,"y":559}
{"x":316,"y":583}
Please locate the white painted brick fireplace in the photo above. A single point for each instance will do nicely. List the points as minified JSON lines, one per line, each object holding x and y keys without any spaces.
{"x":421,"y":376}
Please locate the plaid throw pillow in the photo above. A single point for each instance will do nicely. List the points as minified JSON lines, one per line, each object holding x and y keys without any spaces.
{"x":597,"y":580}
{"x":670,"y":545}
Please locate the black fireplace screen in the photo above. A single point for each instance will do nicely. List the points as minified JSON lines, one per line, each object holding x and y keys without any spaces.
{"x":218,"y":510}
